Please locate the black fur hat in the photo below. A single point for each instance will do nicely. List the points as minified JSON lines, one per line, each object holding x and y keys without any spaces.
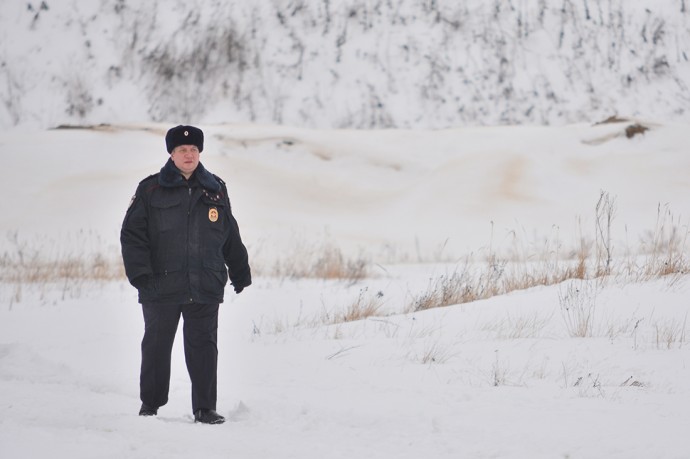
{"x":184,"y":135}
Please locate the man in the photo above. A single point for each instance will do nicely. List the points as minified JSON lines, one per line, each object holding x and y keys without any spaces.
{"x":180,"y":243}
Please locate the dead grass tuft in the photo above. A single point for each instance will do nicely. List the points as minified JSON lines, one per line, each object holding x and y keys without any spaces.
{"x":29,"y":263}
{"x":578,"y":304}
{"x":364,"y":306}
{"x":664,"y":248}
{"x":327,"y":261}
{"x":670,"y":333}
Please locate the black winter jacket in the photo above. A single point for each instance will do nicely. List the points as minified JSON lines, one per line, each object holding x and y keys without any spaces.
{"x":180,"y":240}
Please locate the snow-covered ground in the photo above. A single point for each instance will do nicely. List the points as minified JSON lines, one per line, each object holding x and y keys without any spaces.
{"x":496,"y":378}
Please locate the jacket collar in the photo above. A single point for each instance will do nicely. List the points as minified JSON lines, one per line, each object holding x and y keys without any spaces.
{"x":171,"y":176}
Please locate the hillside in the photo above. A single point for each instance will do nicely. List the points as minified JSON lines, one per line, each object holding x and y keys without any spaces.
{"x":350,"y":64}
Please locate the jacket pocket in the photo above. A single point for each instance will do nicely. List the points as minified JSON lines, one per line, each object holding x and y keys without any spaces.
{"x":171,"y":281}
{"x":214,"y":277}
{"x":167,"y":211}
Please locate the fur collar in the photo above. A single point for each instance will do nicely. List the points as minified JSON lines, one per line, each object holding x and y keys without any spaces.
{"x":171,"y":176}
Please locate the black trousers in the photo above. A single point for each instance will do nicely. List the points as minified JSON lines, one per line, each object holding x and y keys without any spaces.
{"x":200,"y":350}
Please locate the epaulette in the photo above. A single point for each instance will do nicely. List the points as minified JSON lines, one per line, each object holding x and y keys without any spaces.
{"x":220,"y":180}
{"x":225,"y":188}
{"x":151,"y":178}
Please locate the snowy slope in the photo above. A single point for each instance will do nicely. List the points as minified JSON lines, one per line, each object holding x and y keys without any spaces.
{"x":347,"y":64}
{"x":393,"y":195}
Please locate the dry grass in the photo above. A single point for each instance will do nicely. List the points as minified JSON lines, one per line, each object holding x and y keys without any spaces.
{"x":326,"y":261}
{"x":31,"y":263}
{"x":446,"y":290}
{"x":42,"y":267}
{"x":670,"y":334}
{"x":664,"y":248}
{"x":664,"y":256}
{"x":516,"y":327}
{"x":476,"y":281}
{"x":364,"y":306}
{"x":435,"y":353}
{"x":578,"y":304}
{"x":431,"y":352}
{"x":93,"y":267}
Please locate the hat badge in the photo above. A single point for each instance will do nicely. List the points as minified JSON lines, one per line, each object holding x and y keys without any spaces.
{"x":186,"y":133}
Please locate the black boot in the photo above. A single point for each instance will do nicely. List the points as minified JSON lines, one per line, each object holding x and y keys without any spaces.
{"x":208,"y":417}
{"x":147,"y":410}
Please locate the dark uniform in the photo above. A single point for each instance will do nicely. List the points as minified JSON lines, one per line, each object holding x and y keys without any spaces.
{"x":180,"y":243}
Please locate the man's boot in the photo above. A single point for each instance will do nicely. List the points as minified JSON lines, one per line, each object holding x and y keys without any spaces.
{"x":208,"y":417}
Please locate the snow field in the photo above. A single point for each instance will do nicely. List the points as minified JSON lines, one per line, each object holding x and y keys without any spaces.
{"x":449,"y":381}
{"x":494,"y":378}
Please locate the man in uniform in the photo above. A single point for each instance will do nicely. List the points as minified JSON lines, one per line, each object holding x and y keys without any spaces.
{"x":180,"y":244}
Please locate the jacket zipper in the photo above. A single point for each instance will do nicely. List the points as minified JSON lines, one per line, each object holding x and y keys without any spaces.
{"x":189,"y":280}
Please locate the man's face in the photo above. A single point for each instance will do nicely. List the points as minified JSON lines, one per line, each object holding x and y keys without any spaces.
{"x":186,"y":158}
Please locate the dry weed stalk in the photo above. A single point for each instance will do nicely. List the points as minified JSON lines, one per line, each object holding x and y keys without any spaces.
{"x":605,"y":211}
{"x":578,"y":304}
{"x":499,"y":373}
{"x":670,"y":333}
{"x":435,"y":353}
{"x":523,"y":326}
{"x":666,"y":248}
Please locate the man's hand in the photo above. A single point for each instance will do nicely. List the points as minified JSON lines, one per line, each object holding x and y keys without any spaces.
{"x":143,"y":282}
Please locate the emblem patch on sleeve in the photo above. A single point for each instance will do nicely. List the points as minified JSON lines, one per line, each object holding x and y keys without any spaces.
{"x":213,"y":214}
